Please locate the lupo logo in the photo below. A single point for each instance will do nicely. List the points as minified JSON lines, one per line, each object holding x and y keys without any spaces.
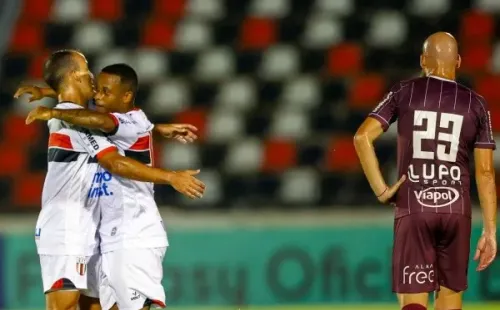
{"x":437,"y":197}
{"x":99,"y":185}
{"x":420,"y":274}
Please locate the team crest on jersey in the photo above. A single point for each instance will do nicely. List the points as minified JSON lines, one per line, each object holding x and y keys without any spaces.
{"x":81,"y":266}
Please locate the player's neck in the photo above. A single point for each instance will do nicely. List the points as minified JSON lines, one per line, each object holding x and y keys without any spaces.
{"x":442,"y":73}
{"x":72,"y":96}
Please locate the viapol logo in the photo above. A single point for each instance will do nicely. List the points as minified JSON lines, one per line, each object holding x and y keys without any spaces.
{"x":100,"y":186}
{"x":437,"y":197}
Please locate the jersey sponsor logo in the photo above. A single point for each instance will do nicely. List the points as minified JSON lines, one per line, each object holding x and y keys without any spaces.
{"x":100,"y":186}
{"x":418,"y":274}
{"x":432,"y":174}
{"x":38,"y":232}
{"x":81,"y":265}
{"x":437,"y":197}
{"x":126,"y":121}
{"x":135,"y":295}
{"x":92,"y":141}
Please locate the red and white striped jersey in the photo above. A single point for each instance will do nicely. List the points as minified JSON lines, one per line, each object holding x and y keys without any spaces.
{"x":129,"y":214}
{"x":68,"y":221}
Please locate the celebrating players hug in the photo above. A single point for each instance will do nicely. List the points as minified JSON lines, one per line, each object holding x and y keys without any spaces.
{"x":98,"y":208}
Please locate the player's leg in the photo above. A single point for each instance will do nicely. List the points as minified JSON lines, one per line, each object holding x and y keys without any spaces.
{"x":135,"y":277}
{"x":89,"y":298}
{"x":63,"y":277}
{"x":414,"y":260}
{"x":453,"y":249}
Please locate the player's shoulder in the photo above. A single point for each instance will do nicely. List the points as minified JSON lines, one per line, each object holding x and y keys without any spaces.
{"x":136,"y":118}
{"x":67,"y":105}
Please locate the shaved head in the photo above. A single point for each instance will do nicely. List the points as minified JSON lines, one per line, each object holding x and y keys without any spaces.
{"x":440,"y":55}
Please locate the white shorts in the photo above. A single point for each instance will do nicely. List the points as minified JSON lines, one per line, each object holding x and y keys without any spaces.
{"x":131,"y":278}
{"x":70,"y":272}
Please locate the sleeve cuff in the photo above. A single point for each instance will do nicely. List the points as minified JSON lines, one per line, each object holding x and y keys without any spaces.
{"x":117,"y":124}
{"x":382,"y":121}
{"x":485,"y":145}
{"x":106,"y":151}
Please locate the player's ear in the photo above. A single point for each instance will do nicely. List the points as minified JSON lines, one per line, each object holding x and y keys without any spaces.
{"x":459,"y":61}
{"x":128,"y":97}
{"x":422,"y":61}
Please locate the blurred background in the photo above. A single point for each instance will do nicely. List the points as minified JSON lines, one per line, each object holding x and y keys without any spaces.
{"x":277,"y":88}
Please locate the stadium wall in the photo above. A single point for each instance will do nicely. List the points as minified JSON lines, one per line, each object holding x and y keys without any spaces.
{"x":287,"y":262}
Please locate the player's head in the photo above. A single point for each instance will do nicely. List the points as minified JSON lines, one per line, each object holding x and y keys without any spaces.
{"x":440,"y":55}
{"x":69,"y":69}
{"x":116,"y":88}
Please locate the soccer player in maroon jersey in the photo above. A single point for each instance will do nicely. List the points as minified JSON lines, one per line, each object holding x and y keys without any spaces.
{"x":440,"y":122}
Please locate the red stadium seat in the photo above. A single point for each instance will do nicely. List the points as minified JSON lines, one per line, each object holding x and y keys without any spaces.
{"x":35,"y":70}
{"x":257,"y":33}
{"x":109,"y":10}
{"x":476,"y":58}
{"x":279,"y":155}
{"x":17,"y":133}
{"x":27,"y":37}
{"x":341,"y":155}
{"x":345,"y":59}
{"x":13,"y":160}
{"x":477,"y":27}
{"x":172,"y":9}
{"x":488,"y":87}
{"x":196,"y":117}
{"x":36,"y":10}
{"x":366,"y":90}
{"x":159,"y":34}
{"x":28,"y":190}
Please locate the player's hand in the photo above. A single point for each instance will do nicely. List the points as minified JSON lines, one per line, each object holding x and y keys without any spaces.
{"x":34,"y":92}
{"x":486,"y":251}
{"x":185,"y":183}
{"x":39,"y":113}
{"x":389,"y":192}
{"x":183,"y":133}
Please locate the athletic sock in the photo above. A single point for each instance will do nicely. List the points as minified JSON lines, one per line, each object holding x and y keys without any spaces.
{"x":414,"y":307}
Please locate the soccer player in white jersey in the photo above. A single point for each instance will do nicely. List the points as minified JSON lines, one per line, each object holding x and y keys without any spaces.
{"x":66,"y":227}
{"x":133,"y":240}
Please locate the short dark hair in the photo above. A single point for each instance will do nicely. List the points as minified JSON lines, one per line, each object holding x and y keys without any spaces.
{"x":58,"y":64}
{"x":127,"y":75}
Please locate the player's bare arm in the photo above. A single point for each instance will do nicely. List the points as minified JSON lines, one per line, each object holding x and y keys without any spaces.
{"x":35,"y":92}
{"x":184,"y":182}
{"x":485,"y":179}
{"x":79,"y":117}
{"x":364,"y":138}
{"x":184,"y":133}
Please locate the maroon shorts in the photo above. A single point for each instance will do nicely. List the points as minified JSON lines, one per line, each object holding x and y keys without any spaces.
{"x":430,"y":250}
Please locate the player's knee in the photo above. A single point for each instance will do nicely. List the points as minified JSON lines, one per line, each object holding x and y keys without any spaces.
{"x":414,"y":307}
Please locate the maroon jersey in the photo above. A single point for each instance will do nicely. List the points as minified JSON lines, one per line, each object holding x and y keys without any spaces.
{"x":439,"y":123}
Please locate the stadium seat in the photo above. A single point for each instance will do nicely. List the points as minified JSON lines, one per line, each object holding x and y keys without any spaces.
{"x":13,"y":160}
{"x":27,"y":191}
{"x":279,"y":155}
{"x":178,"y":156}
{"x":159,"y":34}
{"x":27,"y":37}
{"x":477,"y":26}
{"x":67,"y":11}
{"x":476,"y":58}
{"x":244,"y":156}
{"x":341,"y":155}
{"x":36,"y":10}
{"x":170,"y":9}
{"x":365,"y":91}
{"x":109,"y":10}
{"x":345,"y":59}
{"x":257,"y":33}
{"x":195,"y":117}
{"x":205,"y":9}
{"x":300,"y":187}
{"x":488,"y":88}
{"x":17,"y":134}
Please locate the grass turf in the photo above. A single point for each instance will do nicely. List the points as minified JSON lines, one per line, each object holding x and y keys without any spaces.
{"x":467,"y":306}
